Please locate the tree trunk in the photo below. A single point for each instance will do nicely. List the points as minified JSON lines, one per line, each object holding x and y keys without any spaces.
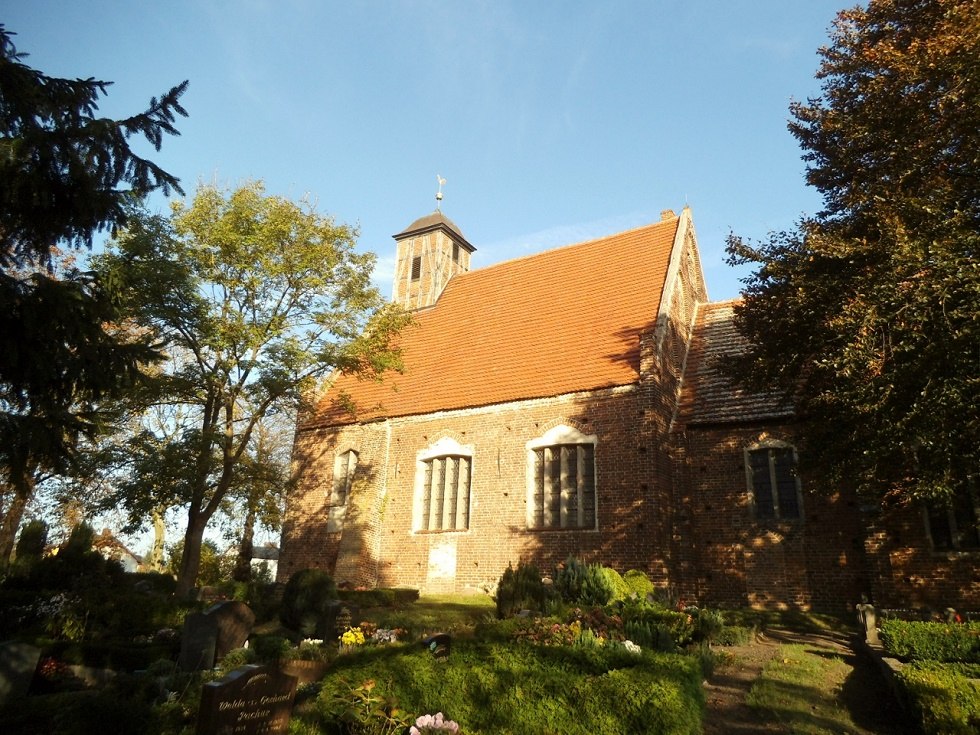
{"x":22,"y":490}
{"x":243,"y":564}
{"x":155,"y":562}
{"x":190,"y":562}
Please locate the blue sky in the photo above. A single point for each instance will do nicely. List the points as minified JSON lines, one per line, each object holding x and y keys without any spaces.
{"x":552,"y":122}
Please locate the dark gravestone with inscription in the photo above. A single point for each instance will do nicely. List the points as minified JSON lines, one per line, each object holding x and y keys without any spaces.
{"x":198,"y":642}
{"x":235,"y":621}
{"x":251,"y":700}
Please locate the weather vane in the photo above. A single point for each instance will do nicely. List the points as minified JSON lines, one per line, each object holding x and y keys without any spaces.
{"x":439,"y":193}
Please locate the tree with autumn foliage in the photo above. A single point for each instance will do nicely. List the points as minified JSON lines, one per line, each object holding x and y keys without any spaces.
{"x":65,"y":174}
{"x":868,"y":314}
{"x":255,"y":298}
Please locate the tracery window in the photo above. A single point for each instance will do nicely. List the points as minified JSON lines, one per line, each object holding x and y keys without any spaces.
{"x":773,"y":482}
{"x":562,"y":480}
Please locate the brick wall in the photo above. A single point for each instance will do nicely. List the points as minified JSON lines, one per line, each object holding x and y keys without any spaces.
{"x":378,"y":544}
{"x":734,"y":559}
{"x":907,"y":573}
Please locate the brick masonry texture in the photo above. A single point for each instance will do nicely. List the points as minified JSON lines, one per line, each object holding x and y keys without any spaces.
{"x":673,"y":498}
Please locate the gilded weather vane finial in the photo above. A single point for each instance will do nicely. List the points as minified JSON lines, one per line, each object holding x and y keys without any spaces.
{"x":439,"y":193}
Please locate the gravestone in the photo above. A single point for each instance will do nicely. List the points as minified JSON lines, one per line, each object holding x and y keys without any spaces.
{"x":251,"y":700}
{"x":18,"y":662}
{"x":869,"y":620}
{"x":208,"y":636}
{"x":234,"y":620}
{"x":325,"y":627}
{"x":198,"y":642}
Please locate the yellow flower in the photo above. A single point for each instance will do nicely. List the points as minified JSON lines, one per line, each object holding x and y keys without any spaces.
{"x":352,"y":637}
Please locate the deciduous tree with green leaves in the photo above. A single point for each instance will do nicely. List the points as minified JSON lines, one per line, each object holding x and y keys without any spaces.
{"x":65,"y":174}
{"x":259,"y":298}
{"x":868,"y":314}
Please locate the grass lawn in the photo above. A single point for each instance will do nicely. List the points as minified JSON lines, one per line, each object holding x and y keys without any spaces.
{"x":492,"y":683}
{"x":801,"y":688}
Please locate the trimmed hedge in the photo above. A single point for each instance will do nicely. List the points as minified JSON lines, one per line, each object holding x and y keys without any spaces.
{"x":492,"y":688}
{"x":922,"y":641}
{"x":945,"y":697}
{"x":385,"y":597}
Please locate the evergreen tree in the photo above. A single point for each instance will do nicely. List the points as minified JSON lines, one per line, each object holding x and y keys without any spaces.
{"x":867,"y":314}
{"x":65,"y":175}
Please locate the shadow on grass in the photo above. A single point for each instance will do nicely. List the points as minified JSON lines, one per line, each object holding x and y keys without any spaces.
{"x":871,"y":701}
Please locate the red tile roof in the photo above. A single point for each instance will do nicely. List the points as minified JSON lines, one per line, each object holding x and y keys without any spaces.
{"x":561,"y":321}
{"x":707,"y":395}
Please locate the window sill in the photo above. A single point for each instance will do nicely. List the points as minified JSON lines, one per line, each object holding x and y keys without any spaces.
{"x":440,"y":531}
{"x":583,"y":529}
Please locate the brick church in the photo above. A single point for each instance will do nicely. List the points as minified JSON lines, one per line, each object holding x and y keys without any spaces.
{"x":570,"y":403}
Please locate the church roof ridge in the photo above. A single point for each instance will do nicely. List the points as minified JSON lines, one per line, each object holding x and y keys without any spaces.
{"x":569,"y":246}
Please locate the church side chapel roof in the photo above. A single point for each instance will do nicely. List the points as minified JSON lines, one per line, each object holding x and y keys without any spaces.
{"x":707,"y":395}
{"x":560,"y":321}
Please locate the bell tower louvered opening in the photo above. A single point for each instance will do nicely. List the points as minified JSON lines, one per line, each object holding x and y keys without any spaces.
{"x":429,"y":252}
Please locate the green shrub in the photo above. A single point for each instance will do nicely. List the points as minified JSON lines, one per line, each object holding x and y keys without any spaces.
{"x":657,"y":622}
{"x":121,"y":656}
{"x":269,"y":648}
{"x":945,"y":700}
{"x":235,"y":658}
{"x":578,"y":583}
{"x":597,"y":588}
{"x":258,"y":595}
{"x":569,"y":578}
{"x":921,"y":641}
{"x":615,"y":581}
{"x":163,"y":584}
{"x":30,"y":546}
{"x":305,"y":600}
{"x":638,"y":584}
{"x":520,"y":589}
{"x":86,"y":712}
{"x":735,"y":635}
{"x":708,"y":624}
{"x":381,"y":597}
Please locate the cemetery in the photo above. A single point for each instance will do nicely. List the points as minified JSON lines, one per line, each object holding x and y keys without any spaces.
{"x":89,"y":648}
{"x":616,"y":509}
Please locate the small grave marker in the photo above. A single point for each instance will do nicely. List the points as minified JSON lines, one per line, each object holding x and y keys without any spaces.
{"x":251,"y":700}
{"x":234,"y":621}
{"x":438,"y":645}
{"x":869,"y":619}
